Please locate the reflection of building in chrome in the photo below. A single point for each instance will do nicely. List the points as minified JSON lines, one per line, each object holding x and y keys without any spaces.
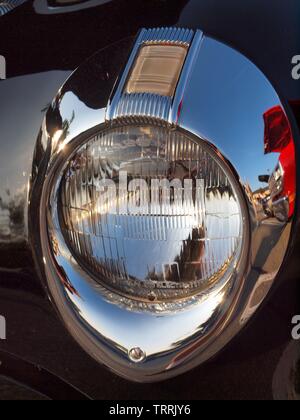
{"x":12,"y":222}
{"x":188,"y":265}
{"x":4,"y":224}
{"x":63,"y":275}
{"x":263,"y":204}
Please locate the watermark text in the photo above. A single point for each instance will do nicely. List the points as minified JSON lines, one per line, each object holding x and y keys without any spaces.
{"x":2,"y":328}
{"x":2,"y":68}
{"x":173,"y":410}
{"x":159,"y":196}
{"x":296,"y":329}
{"x":296,"y":67}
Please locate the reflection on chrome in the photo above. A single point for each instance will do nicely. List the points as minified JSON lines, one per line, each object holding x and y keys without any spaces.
{"x":282,"y":182}
{"x":8,"y":5}
{"x":64,"y":6}
{"x":277,"y":198}
{"x":151,"y":213}
{"x":163,"y":237}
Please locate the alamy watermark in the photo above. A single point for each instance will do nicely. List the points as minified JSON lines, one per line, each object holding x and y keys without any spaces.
{"x":296,"y":67}
{"x":2,"y":68}
{"x":2,"y":328}
{"x":159,"y":196}
{"x":296,"y":329}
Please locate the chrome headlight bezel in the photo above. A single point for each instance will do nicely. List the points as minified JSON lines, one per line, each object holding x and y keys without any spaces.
{"x":144,"y":341}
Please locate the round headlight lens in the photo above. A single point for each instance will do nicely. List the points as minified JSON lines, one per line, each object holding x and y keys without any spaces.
{"x":151,"y":213}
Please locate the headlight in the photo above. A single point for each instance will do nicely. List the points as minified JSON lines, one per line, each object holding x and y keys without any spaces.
{"x":155,"y":233}
{"x":151,"y":213}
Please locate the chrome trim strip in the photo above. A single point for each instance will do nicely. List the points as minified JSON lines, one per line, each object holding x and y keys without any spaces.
{"x":168,"y":35}
{"x":123,"y":107}
{"x":145,"y":106}
{"x":111,"y":111}
{"x":186,"y":72}
{"x":8,"y":5}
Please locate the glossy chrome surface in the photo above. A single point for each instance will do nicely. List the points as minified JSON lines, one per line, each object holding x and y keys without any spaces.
{"x":225,"y":108}
{"x":178,"y":36}
{"x":145,"y":106}
{"x":52,"y":7}
{"x":15,"y":177}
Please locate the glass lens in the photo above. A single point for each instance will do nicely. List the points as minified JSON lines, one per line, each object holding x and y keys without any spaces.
{"x":157,"y":69}
{"x":151,"y":213}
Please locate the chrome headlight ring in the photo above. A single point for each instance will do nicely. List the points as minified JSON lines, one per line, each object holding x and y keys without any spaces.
{"x":172,"y":325}
{"x":148,"y":337}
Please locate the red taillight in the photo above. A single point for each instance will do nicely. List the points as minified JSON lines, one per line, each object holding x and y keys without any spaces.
{"x":278,"y":134}
{"x":279,"y":139}
{"x":287,"y":160}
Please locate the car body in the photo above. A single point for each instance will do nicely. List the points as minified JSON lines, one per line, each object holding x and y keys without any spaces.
{"x":47,"y":43}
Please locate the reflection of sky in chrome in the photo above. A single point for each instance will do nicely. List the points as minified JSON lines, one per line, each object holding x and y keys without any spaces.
{"x":153,"y":332}
{"x":225,"y":101}
{"x":85,"y":118}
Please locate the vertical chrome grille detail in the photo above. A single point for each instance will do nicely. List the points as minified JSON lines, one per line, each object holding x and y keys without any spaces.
{"x":8,"y":5}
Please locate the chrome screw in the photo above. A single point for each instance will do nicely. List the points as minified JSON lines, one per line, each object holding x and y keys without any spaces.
{"x":137,"y":355}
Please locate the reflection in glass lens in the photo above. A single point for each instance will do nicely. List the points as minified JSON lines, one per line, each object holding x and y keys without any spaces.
{"x":150,"y":213}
